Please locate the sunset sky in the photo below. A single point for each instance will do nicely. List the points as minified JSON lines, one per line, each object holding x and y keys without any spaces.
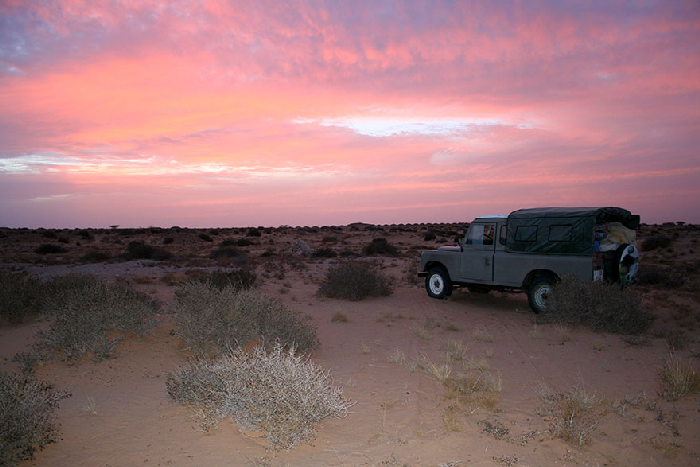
{"x":224,"y":113}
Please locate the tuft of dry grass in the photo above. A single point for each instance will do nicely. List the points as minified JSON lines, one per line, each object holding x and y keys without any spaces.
{"x":339,"y":317}
{"x":677,"y":378}
{"x":440,"y":370}
{"x":480,"y":387}
{"x":421,"y":331}
{"x":482,"y":335}
{"x":456,"y":350}
{"x":573,"y":415}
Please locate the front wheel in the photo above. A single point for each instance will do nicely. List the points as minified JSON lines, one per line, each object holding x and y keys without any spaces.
{"x":438,"y":283}
{"x":538,"y":293}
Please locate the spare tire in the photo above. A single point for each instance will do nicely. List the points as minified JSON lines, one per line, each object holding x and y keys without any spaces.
{"x":626,"y":264}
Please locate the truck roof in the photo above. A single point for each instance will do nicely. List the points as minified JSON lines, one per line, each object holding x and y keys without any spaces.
{"x":492,"y":216}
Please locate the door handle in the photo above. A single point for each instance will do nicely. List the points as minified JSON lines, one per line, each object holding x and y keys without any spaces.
{"x":487,"y":262}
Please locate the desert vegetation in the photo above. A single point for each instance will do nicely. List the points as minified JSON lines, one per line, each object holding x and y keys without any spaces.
{"x":275,"y":391}
{"x":27,"y":416}
{"x":211,"y":320}
{"x":426,"y":376}
{"x":601,"y":306}
{"x":355,"y":280}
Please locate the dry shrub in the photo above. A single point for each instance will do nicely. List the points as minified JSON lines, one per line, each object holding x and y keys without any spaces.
{"x":354,"y":280}
{"x":677,"y":379}
{"x":601,"y":306}
{"x":380,"y":247}
{"x":653,"y":243}
{"x":212,"y":320}
{"x":140,"y":250}
{"x":573,"y":415}
{"x":668,"y":278}
{"x":239,"y":279}
{"x":277,"y":392}
{"x":19,"y":295}
{"x":49,"y":248}
{"x":27,"y":420}
{"x":90,"y":315}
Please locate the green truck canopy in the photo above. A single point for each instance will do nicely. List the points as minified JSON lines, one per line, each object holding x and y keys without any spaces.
{"x":561,"y":231}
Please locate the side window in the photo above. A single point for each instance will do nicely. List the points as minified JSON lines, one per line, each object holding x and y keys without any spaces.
{"x":502,"y":235}
{"x":526,"y":233}
{"x":481,"y":234}
{"x":560,"y":233}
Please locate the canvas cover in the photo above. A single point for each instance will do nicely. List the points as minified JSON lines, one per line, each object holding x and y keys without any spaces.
{"x":561,"y":231}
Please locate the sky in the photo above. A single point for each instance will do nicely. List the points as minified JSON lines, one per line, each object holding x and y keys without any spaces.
{"x":221,"y":113}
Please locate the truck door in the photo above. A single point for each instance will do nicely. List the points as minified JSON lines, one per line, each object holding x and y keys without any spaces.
{"x":477,"y":253}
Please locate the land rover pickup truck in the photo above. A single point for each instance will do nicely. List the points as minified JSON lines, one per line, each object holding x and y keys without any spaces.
{"x":531,"y":249}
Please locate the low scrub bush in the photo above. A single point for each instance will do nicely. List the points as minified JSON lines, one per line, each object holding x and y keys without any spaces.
{"x":19,"y":295}
{"x":601,"y":306}
{"x":653,"y":243}
{"x":277,"y":392}
{"x":89,"y":315}
{"x":380,"y":247}
{"x":95,"y":256}
{"x":49,"y":248}
{"x":325,"y":253}
{"x":354,"y":280}
{"x":212,"y":320}
{"x":243,"y":278}
{"x":650,"y":275}
{"x":677,"y":379}
{"x":27,"y":419}
{"x":205,"y":237}
{"x":229,"y":255}
{"x":140,"y":250}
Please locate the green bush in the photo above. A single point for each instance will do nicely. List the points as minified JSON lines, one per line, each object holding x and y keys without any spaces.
{"x":89,"y":315}
{"x":19,"y":295}
{"x":354,"y":280}
{"x":601,"y":306}
{"x":212,"y":320}
{"x":27,"y":420}
{"x":277,"y":392}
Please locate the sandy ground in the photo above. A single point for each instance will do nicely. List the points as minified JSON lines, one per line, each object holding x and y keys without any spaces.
{"x":401,"y":416}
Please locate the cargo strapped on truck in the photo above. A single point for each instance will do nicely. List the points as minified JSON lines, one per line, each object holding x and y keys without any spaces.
{"x":561,"y":231}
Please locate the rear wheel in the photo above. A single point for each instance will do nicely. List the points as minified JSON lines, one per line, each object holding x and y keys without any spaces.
{"x":438,"y":283}
{"x":539,"y":291}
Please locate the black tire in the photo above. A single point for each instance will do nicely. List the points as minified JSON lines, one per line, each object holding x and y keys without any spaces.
{"x":476,"y":288}
{"x":539,"y":291}
{"x":438,"y":283}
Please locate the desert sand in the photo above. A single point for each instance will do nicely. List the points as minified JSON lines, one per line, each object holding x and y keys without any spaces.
{"x":119,"y":413}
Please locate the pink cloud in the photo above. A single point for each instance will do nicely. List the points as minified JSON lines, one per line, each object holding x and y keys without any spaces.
{"x":324,"y":113}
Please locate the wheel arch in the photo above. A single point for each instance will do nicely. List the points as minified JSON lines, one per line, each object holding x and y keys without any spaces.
{"x":436,"y":264}
{"x":536,"y":273}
